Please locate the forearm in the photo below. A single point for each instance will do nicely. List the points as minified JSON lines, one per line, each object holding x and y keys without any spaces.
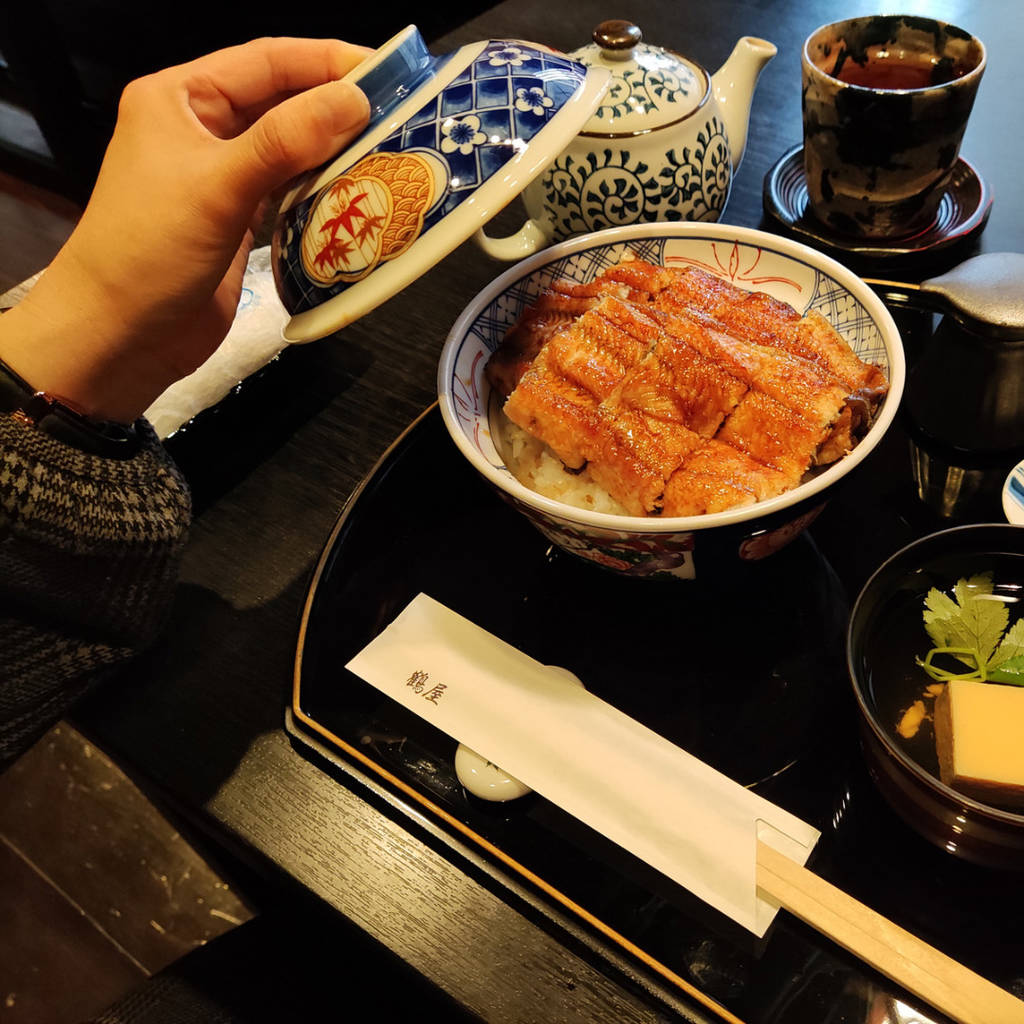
{"x":65,"y":338}
{"x":89,"y":552}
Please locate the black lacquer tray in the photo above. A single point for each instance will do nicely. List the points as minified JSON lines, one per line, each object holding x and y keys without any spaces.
{"x":746,"y":672}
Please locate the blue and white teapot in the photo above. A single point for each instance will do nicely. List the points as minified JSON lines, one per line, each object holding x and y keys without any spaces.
{"x":663,"y":144}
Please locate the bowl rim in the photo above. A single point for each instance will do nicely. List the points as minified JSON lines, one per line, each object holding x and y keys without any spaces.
{"x":505,"y":481}
{"x":840,"y":26}
{"x":930,"y":781}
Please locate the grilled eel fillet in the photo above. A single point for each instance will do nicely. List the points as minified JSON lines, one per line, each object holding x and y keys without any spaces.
{"x":681,"y":393}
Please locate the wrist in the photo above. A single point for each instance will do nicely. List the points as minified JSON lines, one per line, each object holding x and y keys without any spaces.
{"x":65,"y":350}
{"x":62,"y":420}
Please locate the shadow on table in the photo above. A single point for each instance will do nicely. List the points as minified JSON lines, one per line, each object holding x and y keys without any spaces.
{"x":185,"y":713}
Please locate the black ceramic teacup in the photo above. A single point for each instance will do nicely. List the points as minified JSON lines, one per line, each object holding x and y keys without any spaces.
{"x":886,"y":100}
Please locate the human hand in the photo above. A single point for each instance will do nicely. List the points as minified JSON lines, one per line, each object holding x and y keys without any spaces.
{"x":147,"y":285}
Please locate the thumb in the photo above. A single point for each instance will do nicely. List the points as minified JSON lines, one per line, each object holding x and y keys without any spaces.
{"x":297,"y":134}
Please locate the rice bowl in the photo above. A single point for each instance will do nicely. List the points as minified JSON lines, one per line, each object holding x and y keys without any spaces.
{"x":751,"y":259}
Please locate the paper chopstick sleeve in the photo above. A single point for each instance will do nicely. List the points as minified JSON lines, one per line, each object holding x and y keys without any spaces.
{"x":662,"y":804}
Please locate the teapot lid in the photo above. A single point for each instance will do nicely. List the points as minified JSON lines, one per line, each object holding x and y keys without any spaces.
{"x":650,"y":87}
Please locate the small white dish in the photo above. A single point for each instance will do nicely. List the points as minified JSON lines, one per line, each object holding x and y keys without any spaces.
{"x":484,"y":779}
{"x":1013,"y":495}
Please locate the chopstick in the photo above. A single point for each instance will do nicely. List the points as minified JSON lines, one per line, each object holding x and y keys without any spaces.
{"x":943,"y":982}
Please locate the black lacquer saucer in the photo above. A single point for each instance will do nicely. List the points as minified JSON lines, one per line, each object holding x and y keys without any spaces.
{"x":962,"y":214}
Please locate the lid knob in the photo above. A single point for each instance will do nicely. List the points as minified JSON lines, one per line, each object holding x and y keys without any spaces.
{"x":617,"y":38}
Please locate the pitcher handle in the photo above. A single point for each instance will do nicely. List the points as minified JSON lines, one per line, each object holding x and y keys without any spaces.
{"x":530,"y":238}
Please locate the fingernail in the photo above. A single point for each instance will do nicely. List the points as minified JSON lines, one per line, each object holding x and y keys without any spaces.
{"x":352,"y":105}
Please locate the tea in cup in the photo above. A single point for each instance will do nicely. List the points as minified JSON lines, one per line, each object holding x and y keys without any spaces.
{"x":886,"y":100}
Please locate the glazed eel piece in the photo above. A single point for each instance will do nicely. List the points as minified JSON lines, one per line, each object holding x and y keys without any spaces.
{"x":675,"y":410}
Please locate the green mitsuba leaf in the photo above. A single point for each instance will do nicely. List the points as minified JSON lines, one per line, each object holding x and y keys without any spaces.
{"x":1009,"y":671}
{"x":1012,"y":644}
{"x":940,"y":611}
{"x":970,"y":625}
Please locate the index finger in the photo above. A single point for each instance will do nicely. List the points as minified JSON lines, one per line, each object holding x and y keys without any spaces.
{"x":251,"y":76}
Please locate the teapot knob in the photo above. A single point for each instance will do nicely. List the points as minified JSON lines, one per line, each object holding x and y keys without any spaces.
{"x":617,"y":38}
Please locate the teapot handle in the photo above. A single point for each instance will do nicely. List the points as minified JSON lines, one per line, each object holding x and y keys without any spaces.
{"x":530,"y":238}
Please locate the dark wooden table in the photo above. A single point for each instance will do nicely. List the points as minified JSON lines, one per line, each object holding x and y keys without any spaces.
{"x":202,"y":718}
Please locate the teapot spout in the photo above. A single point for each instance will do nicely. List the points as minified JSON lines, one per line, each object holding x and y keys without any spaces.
{"x":733,"y":86}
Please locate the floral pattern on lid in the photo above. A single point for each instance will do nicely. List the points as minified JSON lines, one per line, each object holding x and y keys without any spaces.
{"x":424,"y":170}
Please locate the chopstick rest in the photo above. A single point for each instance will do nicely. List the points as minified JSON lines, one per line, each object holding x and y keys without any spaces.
{"x":665,"y":806}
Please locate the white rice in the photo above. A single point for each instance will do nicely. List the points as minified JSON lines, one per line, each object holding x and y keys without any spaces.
{"x":534,"y":465}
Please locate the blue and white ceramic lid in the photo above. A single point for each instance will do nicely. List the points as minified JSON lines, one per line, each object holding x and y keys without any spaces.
{"x":451,"y":140}
{"x":650,"y":87}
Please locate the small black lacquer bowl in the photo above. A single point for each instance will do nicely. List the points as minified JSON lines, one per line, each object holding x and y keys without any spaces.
{"x":886,"y":634}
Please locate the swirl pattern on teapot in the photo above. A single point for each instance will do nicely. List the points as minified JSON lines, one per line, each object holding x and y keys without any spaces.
{"x":611,"y":187}
{"x":654,"y":83}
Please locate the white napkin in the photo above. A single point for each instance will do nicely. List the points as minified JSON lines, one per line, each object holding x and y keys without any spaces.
{"x":254,"y":340}
{"x":662,"y":804}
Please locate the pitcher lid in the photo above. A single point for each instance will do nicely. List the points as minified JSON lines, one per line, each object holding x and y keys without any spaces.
{"x":650,"y":87}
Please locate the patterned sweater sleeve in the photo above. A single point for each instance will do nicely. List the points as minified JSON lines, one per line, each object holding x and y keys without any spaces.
{"x":89,"y":553}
